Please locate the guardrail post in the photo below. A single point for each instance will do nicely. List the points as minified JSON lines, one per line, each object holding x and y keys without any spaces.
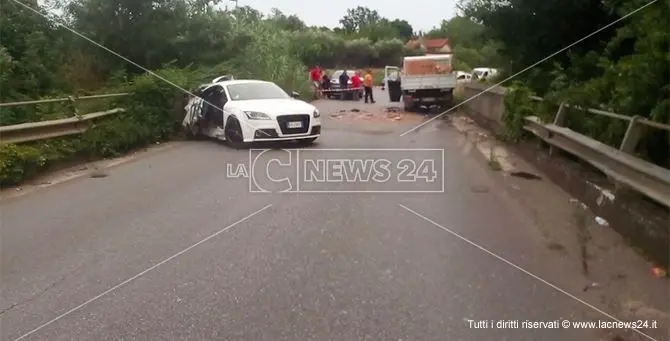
{"x":632,"y":137}
{"x":72,"y":104}
{"x":559,"y":119}
{"x":628,"y":144}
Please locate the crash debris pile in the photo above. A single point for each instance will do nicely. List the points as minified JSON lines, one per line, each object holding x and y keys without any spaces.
{"x":389,"y":114}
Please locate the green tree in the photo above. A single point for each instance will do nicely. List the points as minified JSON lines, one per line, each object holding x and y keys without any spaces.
{"x":404,"y":29}
{"x":284,"y":22}
{"x":357,"y":18}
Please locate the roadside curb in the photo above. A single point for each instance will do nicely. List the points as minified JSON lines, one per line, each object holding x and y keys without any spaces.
{"x":94,"y":169}
{"x":487,"y":145}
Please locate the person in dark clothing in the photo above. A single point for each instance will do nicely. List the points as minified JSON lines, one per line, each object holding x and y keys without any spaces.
{"x":325,"y":82}
{"x":344,"y":80}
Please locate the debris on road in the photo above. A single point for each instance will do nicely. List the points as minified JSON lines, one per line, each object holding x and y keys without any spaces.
{"x":98,"y":173}
{"x":659,"y":272}
{"x":575,"y":201}
{"x":355,"y":110}
{"x":525,"y":175}
{"x":593,"y":285}
{"x":602,"y":221}
{"x":466,"y":119}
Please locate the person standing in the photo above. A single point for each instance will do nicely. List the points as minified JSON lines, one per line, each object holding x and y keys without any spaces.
{"x":356,"y":85}
{"x":315,"y":76}
{"x":344,"y":80}
{"x":367,"y":83}
{"x":325,"y":83}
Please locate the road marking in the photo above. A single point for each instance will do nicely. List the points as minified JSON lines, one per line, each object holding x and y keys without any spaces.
{"x":142,"y":273}
{"x":520,"y":268}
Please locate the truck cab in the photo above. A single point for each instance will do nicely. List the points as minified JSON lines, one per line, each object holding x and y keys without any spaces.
{"x":423,"y":81}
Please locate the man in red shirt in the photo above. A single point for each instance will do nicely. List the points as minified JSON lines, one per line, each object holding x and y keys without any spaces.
{"x":315,"y":75}
{"x":356,"y":84}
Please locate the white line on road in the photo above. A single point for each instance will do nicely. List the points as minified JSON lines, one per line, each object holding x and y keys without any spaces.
{"x":142,"y":273}
{"x":520,"y":268}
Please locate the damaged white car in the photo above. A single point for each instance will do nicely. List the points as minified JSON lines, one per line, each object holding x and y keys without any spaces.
{"x":244,"y":111}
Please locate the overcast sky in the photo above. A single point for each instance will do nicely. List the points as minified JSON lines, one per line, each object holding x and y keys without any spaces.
{"x":421,"y":14}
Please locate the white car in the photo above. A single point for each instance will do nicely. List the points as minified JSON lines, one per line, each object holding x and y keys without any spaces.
{"x":463,"y":77}
{"x":244,"y":111}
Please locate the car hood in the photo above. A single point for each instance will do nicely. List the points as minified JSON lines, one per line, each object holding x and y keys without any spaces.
{"x":273,"y":107}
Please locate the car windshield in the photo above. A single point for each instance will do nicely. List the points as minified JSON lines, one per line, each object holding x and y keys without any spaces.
{"x":336,"y":74}
{"x":255,"y":90}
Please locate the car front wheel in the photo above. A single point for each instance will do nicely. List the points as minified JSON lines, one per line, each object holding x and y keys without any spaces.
{"x":233,"y":133}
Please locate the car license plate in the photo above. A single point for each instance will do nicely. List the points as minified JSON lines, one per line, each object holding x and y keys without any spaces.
{"x":429,"y":99}
{"x":296,"y":124}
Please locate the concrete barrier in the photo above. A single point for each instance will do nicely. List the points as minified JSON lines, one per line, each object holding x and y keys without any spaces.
{"x":487,"y":107}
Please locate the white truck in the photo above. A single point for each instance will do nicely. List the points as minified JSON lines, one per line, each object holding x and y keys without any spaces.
{"x":423,"y":81}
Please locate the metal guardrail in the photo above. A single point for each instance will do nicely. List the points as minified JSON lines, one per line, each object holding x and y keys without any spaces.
{"x":35,"y":131}
{"x":619,"y":164}
{"x":71,"y":99}
{"x":636,"y":124}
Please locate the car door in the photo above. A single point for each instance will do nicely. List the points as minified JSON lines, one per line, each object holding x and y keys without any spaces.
{"x":194,"y":109}
{"x":219,"y":100}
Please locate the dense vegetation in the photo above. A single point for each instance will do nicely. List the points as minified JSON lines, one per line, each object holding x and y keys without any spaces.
{"x":624,"y":68}
{"x":88,"y":46}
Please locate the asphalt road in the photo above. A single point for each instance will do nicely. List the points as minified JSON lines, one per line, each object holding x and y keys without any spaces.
{"x":117,"y":258}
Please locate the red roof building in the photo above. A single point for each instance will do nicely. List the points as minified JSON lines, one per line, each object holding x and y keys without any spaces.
{"x":436,"y":46}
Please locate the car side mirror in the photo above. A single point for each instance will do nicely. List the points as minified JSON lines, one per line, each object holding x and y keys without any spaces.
{"x":295,"y":94}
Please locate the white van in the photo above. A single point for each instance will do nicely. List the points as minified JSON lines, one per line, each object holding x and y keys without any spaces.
{"x":484,"y":73}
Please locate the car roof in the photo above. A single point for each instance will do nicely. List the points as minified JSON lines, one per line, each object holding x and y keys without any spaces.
{"x":238,"y":81}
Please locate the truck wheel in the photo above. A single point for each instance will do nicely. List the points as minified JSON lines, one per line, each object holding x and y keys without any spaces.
{"x":446,"y":105}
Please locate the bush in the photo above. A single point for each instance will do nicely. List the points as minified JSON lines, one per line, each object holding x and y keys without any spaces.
{"x":155,"y":109}
{"x":517,"y":106}
{"x":149,"y":117}
{"x":18,"y":163}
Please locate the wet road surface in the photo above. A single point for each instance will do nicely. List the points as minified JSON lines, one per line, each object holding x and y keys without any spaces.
{"x":123,"y":257}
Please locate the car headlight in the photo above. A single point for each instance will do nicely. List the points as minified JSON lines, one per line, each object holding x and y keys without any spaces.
{"x":316,"y":114}
{"x":255,"y":115}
